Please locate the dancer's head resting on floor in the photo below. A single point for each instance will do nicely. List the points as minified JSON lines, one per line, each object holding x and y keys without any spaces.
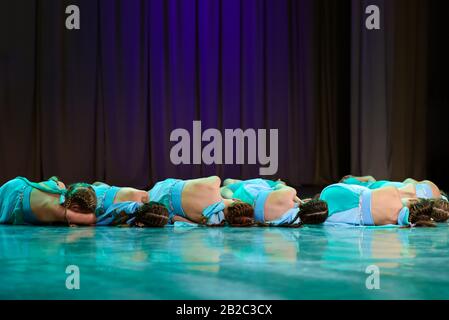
{"x":151,"y":214}
{"x":239,"y":214}
{"x":313,"y":211}
{"x":80,"y":197}
{"x":440,"y":210}
{"x":421,"y":211}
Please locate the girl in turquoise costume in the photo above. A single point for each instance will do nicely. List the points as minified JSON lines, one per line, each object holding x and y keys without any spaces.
{"x":127,"y":206}
{"x":48,"y":202}
{"x":409,"y":188}
{"x":199,"y":201}
{"x":361,"y":206}
{"x":276,"y":204}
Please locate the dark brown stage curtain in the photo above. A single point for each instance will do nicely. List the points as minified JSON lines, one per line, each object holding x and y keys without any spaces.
{"x":438,"y":88}
{"x":332,"y":45}
{"x":389,"y":90}
{"x":318,"y":109}
{"x":19,"y":137}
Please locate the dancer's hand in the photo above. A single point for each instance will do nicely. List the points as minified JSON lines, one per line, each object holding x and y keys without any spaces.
{"x":181,"y":219}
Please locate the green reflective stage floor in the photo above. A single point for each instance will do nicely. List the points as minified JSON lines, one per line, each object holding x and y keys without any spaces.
{"x":224,"y":263}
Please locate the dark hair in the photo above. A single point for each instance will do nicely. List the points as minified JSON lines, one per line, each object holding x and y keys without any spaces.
{"x":240,"y":214}
{"x":313,"y":212}
{"x":152,"y":214}
{"x":440,"y":210}
{"x":81,"y":194}
{"x":421,"y":213}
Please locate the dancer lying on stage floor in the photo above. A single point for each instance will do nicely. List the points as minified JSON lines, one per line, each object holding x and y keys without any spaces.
{"x":48,"y":202}
{"x":359,"y":205}
{"x":409,"y":188}
{"x":127,"y":206}
{"x":199,"y":201}
{"x":275,"y":203}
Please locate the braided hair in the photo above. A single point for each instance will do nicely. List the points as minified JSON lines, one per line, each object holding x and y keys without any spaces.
{"x":313,"y":212}
{"x":440,"y":210}
{"x":240,"y":214}
{"x":151,"y":214}
{"x":82,"y":195}
{"x":421,"y":213}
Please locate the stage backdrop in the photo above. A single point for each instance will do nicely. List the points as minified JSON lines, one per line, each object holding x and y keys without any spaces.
{"x":100,"y":103}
